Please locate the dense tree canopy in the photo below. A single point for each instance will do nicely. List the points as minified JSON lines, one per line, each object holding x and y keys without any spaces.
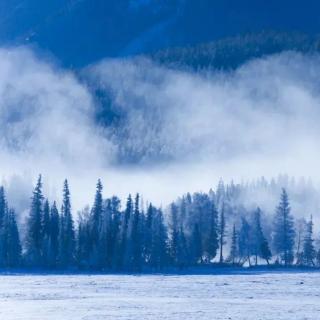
{"x":195,"y":230}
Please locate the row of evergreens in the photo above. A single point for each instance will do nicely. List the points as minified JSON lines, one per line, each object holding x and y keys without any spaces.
{"x":199,"y":229}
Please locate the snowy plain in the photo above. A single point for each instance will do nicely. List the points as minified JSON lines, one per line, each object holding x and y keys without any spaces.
{"x":250,"y":296}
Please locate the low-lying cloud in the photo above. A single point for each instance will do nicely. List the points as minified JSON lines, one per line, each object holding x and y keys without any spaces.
{"x":172,"y":130}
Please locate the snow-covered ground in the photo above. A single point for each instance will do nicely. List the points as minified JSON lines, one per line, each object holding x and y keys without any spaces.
{"x":273,"y":296}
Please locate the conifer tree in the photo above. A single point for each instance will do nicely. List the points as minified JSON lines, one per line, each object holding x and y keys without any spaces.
{"x":284,"y":233}
{"x":3,"y":205}
{"x":265,"y":250}
{"x":12,"y":257}
{"x":158,"y":248}
{"x":67,"y":233}
{"x":136,"y":237}
{"x":46,"y":234}
{"x":95,"y":226}
{"x":309,"y":252}
{"x":3,"y":212}
{"x":212,"y":242}
{"x":83,"y":239}
{"x":54,"y":236}
{"x":234,"y":246}
{"x":196,"y":245}
{"x":124,"y":243}
{"x":260,"y":246}
{"x":182,"y":250}
{"x":174,"y":236}
{"x":222,"y":232}
{"x":148,"y":233}
{"x":34,"y":227}
{"x":245,"y":241}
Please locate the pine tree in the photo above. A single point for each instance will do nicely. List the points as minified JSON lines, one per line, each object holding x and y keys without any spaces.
{"x":136,"y":237}
{"x":260,"y":246}
{"x":12,"y":258}
{"x":182,"y":250}
{"x":284,"y":233}
{"x":123,"y":237}
{"x":234,"y":246}
{"x":245,"y":241}
{"x":212,"y":242}
{"x":196,"y":245}
{"x":158,"y":252}
{"x":222,"y":232}
{"x":67,"y":233}
{"x":54,"y":236}
{"x":83,"y":239}
{"x":265,"y":250}
{"x":34,"y":228}
{"x":3,"y":212}
{"x":95,"y":226}
{"x":3,"y":205}
{"x":174,"y":236}
{"x":46,"y":234}
{"x":148,"y":233}
{"x":309,"y":252}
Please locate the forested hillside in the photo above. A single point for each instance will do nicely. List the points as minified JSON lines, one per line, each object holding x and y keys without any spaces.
{"x":232,"y":52}
{"x":80,"y":32}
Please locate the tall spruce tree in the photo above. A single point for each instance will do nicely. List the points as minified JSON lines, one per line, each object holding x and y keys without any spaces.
{"x":34,"y":228}
{"x":123,"y":259}
{"x":309,"y":252}
{"x":46,"y":234}
{"x":196,"y":245}
{"x":3,"y":212}
{"x":12,"y":257}
{"x":183,"y":255}
{"x":67,"y":232}
{"x":158,"y":249}
{"x":3,"y":205}
{"x":212,"y":242}
{"x":245,"y":241}
{"x":234,"y":252}
{"x":284,"y":233}
{"x":222,"y":231}
{"x":174,"y":234}
{"x":136,"y":237}
{"x":54,"y":236}
{"x":95,"y":226}
{"x":148,"y":233}
{"x":260,"y":246}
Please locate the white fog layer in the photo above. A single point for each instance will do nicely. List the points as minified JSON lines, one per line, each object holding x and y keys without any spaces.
{"x":261,"y":119}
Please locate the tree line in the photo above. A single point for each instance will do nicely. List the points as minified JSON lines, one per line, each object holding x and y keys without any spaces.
{"x":195,"y":230}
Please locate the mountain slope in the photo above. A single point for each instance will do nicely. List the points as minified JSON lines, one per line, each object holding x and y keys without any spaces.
{"x":79,"y":32}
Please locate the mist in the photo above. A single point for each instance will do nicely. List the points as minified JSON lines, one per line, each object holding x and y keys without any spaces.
{"x":171,"y":131}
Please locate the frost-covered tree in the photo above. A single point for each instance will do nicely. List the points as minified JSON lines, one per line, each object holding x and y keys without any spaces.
{"x":67,"y":232}
{"x":34,"y":233}
{"x":196,"y":245}
{"x":212,"y":241}
{"x":158,"y":250}
{"x":260,"y":245}
{"x":12,"y":245}
{"x":46,"y":234}
{"x":284,"y":233}
{"x":54,"y":236}
{"x":136,"y":236}
{"x":234,"y":252}
{"x":309,"y":252}
{"x":245,"y":241}
{"x":95,"y":223}
{"x":222,"y":231}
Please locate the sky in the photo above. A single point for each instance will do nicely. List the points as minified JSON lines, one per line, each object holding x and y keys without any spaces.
{"x":175,"y":130}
